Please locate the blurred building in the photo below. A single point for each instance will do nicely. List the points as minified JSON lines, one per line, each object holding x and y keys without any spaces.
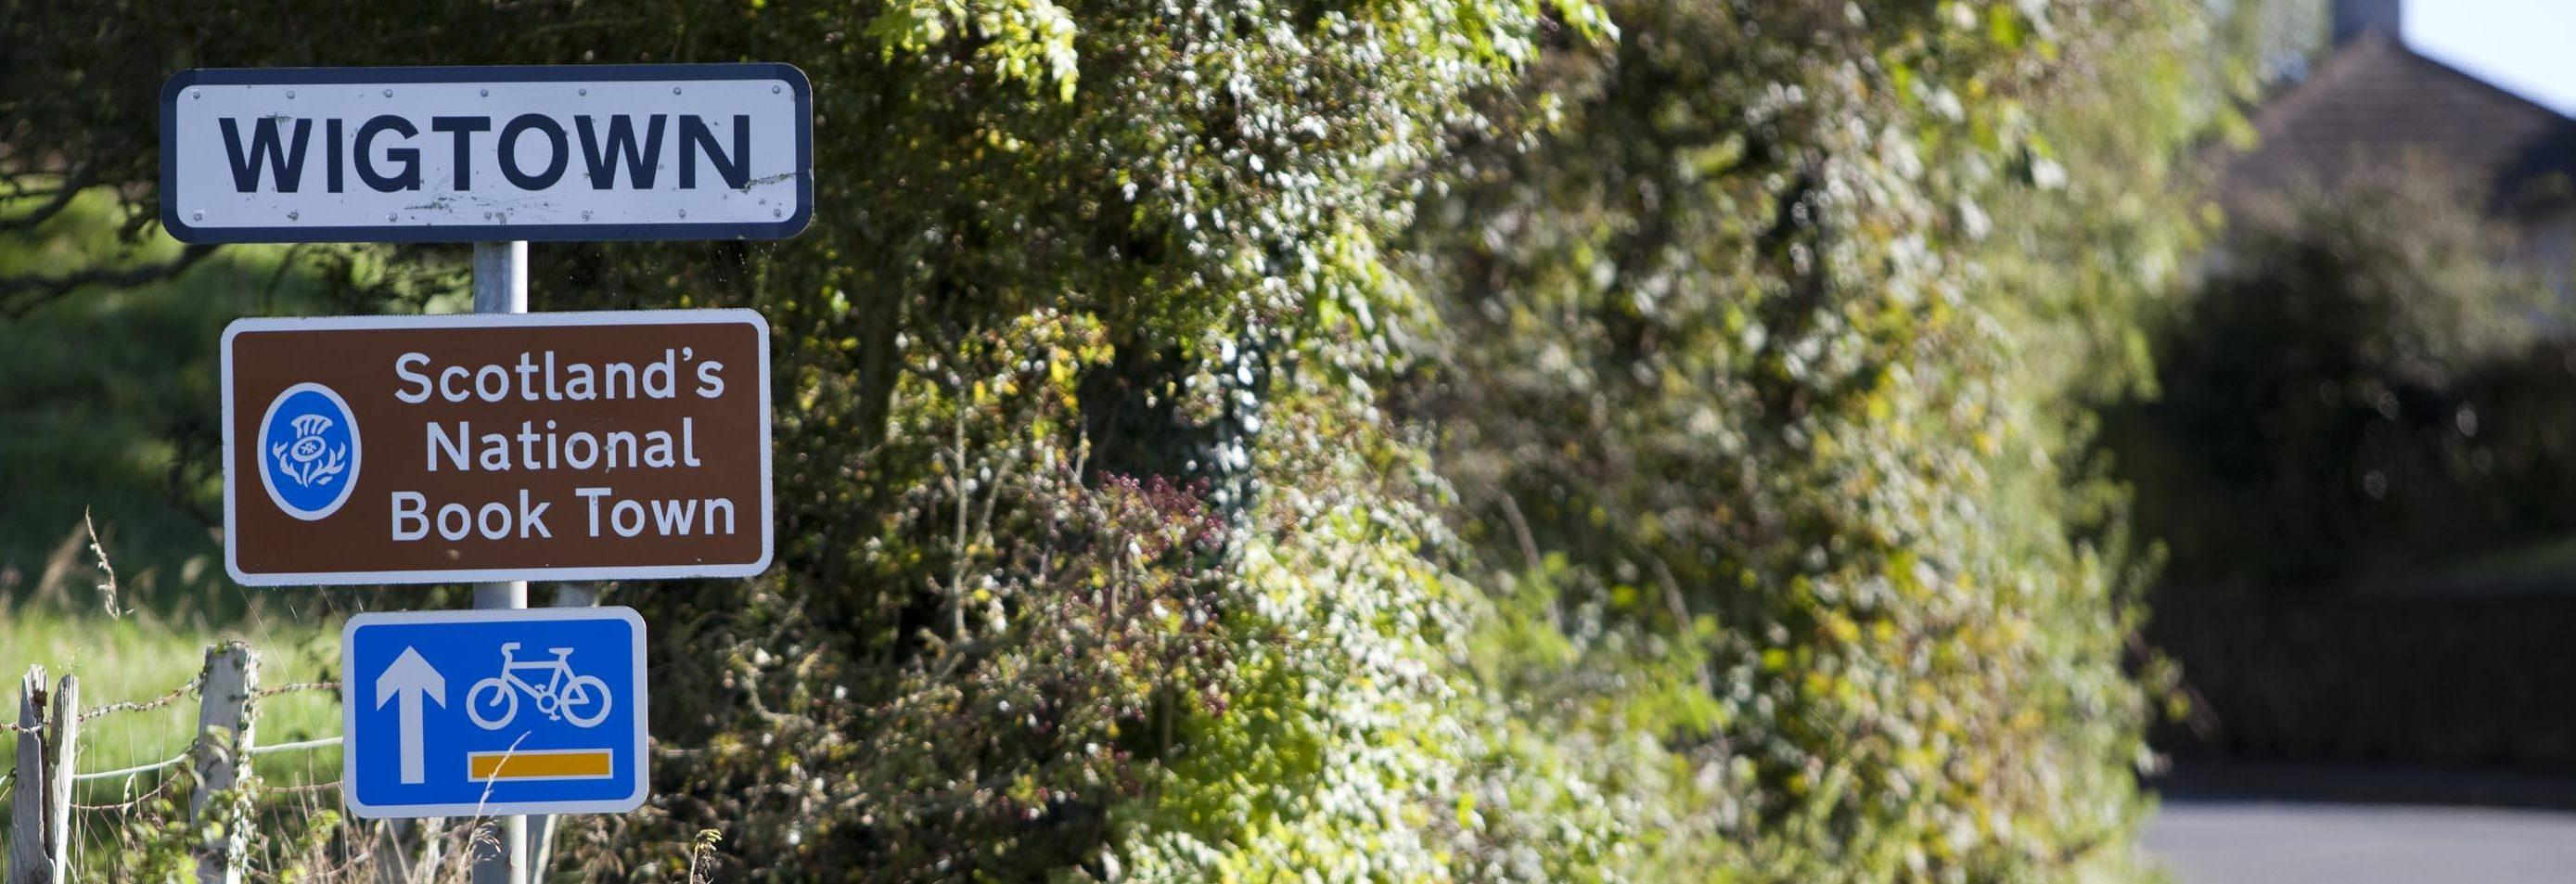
{"x":2372,"y":103}
{"x":2449,"y":652}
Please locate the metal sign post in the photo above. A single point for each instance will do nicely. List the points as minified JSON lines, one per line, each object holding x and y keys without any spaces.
{"x":501,"y":286}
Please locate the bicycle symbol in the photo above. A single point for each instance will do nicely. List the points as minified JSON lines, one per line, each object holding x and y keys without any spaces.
{"x":580,"y":699}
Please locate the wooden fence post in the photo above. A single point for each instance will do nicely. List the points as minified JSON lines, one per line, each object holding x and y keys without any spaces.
{"x":223,"y":733}
{"x":28,"y":861}
{"x":62,"y":734}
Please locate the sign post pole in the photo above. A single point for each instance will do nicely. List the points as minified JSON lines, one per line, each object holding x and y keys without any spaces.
{"x":501,"y":286}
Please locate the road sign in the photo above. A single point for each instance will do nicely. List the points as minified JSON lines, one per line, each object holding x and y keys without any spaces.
{"x":459,"y":154}
{"x":490,"y":447}
{"x":494,"y":713}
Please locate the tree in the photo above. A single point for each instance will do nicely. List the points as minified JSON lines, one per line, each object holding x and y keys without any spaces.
{"x":2328,"y":395}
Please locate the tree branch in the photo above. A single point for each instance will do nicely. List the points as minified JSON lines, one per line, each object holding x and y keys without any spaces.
{"x":63,"y":195}
{"x":20,"y":295}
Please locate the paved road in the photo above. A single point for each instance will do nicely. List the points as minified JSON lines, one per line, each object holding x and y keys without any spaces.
{"x":2225,"y":842}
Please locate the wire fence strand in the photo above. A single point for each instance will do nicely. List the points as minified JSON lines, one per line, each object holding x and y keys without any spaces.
{"x":130,"y":803}
{"x":176,"y":760}
{"x":264,"y":693}
{"x":306,"y":787}
{"x":172,"y":761}
{"x":144,"y":705}
{"x":315,"y":743}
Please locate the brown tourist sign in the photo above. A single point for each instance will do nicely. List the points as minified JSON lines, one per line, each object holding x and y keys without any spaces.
{"x":493,"y":447}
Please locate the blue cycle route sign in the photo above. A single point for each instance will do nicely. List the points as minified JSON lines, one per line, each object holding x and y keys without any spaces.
{"x":494,"y":712}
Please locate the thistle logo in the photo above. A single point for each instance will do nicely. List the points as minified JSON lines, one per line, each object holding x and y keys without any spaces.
{"x":308,"y":451}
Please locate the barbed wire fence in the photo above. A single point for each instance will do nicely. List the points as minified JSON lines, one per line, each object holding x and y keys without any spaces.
{"x":43,"y":785}
{"x":42,"y":788}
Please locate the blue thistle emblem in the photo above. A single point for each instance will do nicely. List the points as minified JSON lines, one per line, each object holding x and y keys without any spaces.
{"x":309,"y":451}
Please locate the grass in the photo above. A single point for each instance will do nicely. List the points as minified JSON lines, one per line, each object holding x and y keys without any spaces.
{"x":134,"y":659}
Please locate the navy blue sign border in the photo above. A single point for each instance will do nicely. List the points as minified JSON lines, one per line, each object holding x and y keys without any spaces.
{"x":794,"y":223}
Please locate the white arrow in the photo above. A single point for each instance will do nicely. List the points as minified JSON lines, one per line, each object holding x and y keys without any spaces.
{"x":410,"y":677}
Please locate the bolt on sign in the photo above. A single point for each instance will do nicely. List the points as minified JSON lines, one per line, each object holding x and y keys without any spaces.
{"x":463,"y":154}
{"x":489,"y":447}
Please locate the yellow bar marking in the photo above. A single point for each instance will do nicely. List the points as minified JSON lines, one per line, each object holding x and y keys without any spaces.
{"x":538,"y":765}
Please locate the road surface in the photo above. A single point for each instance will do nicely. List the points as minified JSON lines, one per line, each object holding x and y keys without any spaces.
{"x":2206,"y":841}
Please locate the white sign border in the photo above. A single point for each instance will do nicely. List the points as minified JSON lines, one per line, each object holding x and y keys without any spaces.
{"x":787,"y":75}
{"x":768,"y":492}
{"x":643,"y":712}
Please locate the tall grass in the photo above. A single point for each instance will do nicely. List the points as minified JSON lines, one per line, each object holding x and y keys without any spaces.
{"x":137,"y":659}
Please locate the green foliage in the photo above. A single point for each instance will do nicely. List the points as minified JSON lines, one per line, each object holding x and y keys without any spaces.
{"x":110,"y":406}
{"x":286,"y":836}
{"x":154,"y":841}
{"x":2349,"y":392}
{"x":1764,"y":377}
{"x":1122,"y":438}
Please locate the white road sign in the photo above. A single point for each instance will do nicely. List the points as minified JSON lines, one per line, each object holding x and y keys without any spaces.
{"x":460,"y":154}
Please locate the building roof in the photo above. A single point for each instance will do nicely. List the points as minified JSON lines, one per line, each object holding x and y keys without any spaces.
{"x":2375,"y":100}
